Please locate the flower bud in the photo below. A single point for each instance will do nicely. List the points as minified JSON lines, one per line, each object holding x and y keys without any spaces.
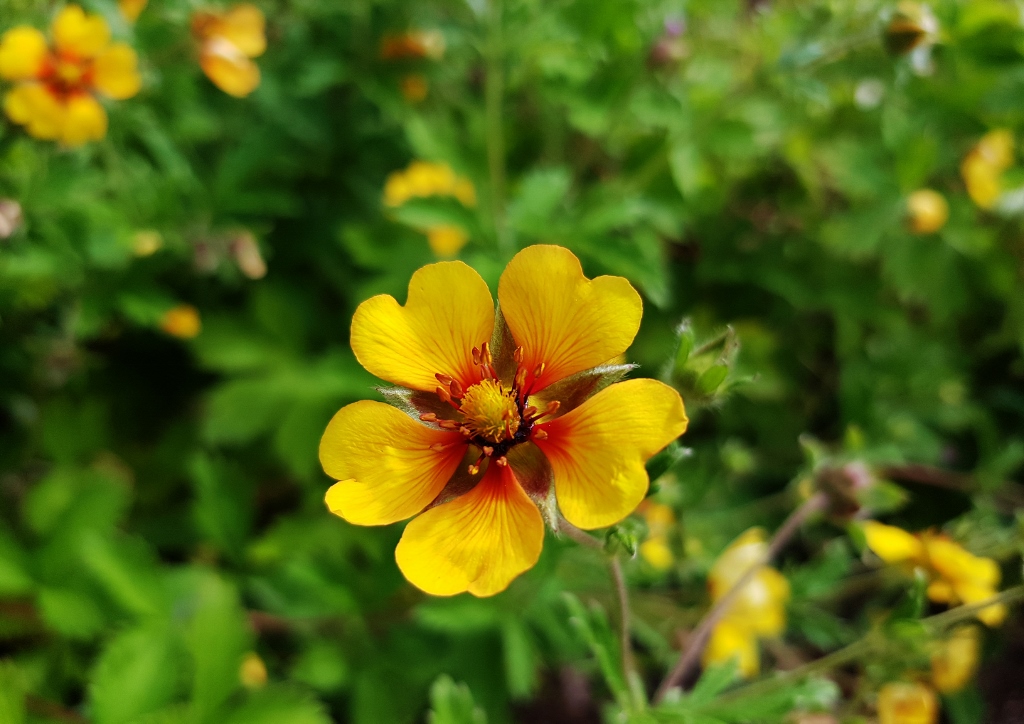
{"x":10,"y":217}
{"x":246,"y":253}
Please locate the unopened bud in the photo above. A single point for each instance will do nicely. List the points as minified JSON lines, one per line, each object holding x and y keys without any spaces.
{"x":247,"y":255}
{"x":10,"y":217}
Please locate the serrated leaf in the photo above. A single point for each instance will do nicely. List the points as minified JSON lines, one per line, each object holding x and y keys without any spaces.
{"x":452,"y":703}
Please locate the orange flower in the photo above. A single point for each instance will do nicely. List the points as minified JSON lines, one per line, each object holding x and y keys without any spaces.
{"x":956,"y":576}
{"x":498,"y":411}
{"x":54,"y":97}
{"x":182,"y":321}
{"x":228,"y":43}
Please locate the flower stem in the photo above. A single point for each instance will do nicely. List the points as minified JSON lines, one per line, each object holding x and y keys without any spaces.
{"x":702,"y":633}
{"x":494,"y":92}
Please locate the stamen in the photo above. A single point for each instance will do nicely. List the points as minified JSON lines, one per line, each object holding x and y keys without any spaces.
{"x":445,"y":396}
{"x":485,"y":354}
{"x":473,"y":469}
{"x":529,"y":412}
{"x":448,"y":424}
{"x":518,"y":355}
{"x":476,"y":355}
{"x":488,"y":450}
{"x":501,"y":462}
{"x":443,"y":379}
{"x":428,"y":417}
{"x":456,"y":388}
{"x":439,"y":446}
{"x":539,"y":370}
{"x":539,"y":434}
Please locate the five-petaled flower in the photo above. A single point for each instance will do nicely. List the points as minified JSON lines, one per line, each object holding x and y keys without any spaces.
{"x":55,"y":93}
{"x":228,"y":43}
{"x":955,"y":575}
{"x":496,"y":411}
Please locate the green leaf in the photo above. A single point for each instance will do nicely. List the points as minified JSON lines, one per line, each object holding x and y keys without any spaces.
{"x":712,"y":378}
{"x":278,"y":705}
{"x":12,"y":694}
{"x":137,"y":672}
{"x":519,"y":657}
{"x":452,"y":703}
{"x":70,"y":613}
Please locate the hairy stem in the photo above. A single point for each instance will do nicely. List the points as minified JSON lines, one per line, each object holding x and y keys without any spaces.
{"x":494,"y":92}
{"x":684,"y":667}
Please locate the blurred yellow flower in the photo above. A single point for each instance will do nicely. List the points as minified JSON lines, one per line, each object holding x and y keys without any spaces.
{"x":414,"y":87}
{"x":904,"y":702}
{"x":54,"y":96}
{"x":423,"y":179}
{"x":955,"y":659}
{"x":228,"y":42}
{"x":956,"y":576}
{"x":759,"y":611}
{"x":132,"y":9}
{"x":413,"y":44}
{"x":983,"y":166}
{"x":147,"y":242}
{"x":182,"y":321}
{"x":660,"y":520}
{"x":446,"y":240}
{"x":927,"y":211}
{"x":252,"y":674}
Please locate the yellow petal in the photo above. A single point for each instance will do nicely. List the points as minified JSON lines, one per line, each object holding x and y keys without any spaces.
{"x":116,"y":72}
{"x":23,"y":51}
{"x":244,"y":26}
{"x":228,"y":68}
{"x":892,"y":544}
{"x":84,"y":120}
{"x":958,"y":565}
{"x":970,"y":593}
{"x":79,"y":34}
{"x":907,"y":703}
{"x":562,"y":319}
{"x":730,"y":642}
{"x":446,"y":240}
{"x":31,"y":105}
{"x":598,"y":450}
{"x":385,"y":463}
{"x":449,"y":312}
{"x":738,"y":557}
{"x":132,"y":9}
{"x":656,"y":551}
{"x":955,"y":659}
{"x":479,"y":542}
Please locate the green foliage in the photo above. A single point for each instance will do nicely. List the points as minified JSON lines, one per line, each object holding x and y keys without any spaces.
{"x":746,"y":165}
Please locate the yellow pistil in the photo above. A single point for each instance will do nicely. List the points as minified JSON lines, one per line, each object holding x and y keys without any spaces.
{"x":490,"y":411}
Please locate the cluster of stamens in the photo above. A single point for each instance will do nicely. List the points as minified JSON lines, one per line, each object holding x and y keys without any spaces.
{"x":65,"y":74}
{"x":493,"y":417}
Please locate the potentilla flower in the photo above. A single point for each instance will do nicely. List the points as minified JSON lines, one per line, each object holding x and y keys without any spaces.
{"x":983,"y":166}
{"x":955,"y":575}
{"x":955,"y":658}
{"x":56,"y":83}
{"x":496,"y":411}
{"x":758,"y":611}
{"x":423,"y":179}
{"x":228,"y":43}
{"x":905,"y":702}
{"x":927,"y":211}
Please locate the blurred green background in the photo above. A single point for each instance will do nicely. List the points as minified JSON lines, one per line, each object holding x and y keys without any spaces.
{"x":165,"y":553}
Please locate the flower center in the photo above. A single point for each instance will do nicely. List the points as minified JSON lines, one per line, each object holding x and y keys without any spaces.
{"x":69,"y":73}
{"x":491,"y":411}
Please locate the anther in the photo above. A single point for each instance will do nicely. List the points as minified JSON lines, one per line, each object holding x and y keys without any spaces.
{"x":473,"y":469}
{"x":485,"y":354}
{"x":466,"y":432}
{"x":552,"y":407}
{"x":444,"y":394}
{"x":448,"y":424}
{"x":520,"y":379}
{"x":501,"y":462}
{"x":488,"y":450}
{"x":539,"y":370}
{"x":476,"y":355}
{"x":428,"y":417}
{"x":438,"y":446}
{"x":529,"y":412}
{"x":443,"y":379}
{"x":456,"y":388}
{"x":518,"y":355}
{"x":539,"y":434}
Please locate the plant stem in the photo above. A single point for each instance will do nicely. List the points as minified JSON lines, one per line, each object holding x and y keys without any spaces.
{"x":702,"y":633}
{"x":494,"y":91}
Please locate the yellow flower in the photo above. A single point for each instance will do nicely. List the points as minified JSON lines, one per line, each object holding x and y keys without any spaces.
{"x":446,"y":240}
{"x":759,"y":611}
{"x":147,"y":242}
{"x":927,"y":211}
{"x":982,"y":168}
{"x":252,"y":673}
{"x":228,"y":43}
{"x":955,"y":659}
{"x":498,"y":409}
{"x":56,"y":84}
{"x":956,"y":576}
{"x":903,"y":702}
{"x":182,"y":321}
{"x":423,"y":179}
{"x":132,"y":9}
{"x":660,"y":521}
{"x":413,"y":44}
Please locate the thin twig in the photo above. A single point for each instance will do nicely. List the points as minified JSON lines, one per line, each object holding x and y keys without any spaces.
{"x":634,"y":683}
{"x":699,"y":639}
{"x":579,"y":536}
